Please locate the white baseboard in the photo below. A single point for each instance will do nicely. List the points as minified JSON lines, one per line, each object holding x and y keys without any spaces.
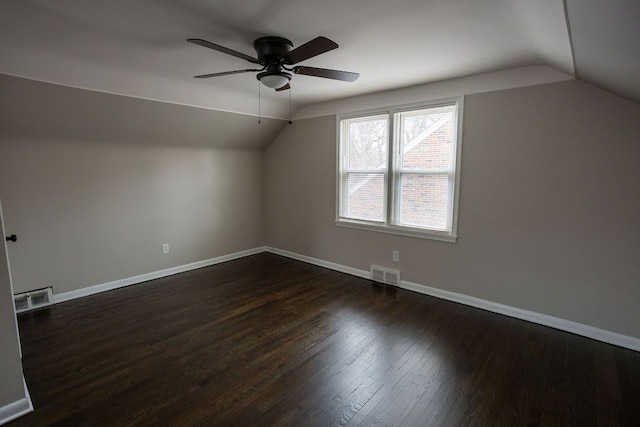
{"x":91,"y":290}
{"x":603,"y":335}
{"x":16,"y":409}
{"x":530,"y":316}
{"x":315,"y":261}
{"x":598,"y":334}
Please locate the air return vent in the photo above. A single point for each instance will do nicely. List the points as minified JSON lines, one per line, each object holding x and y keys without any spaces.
{"x":33,"y":299}
{"x":385,"y":275}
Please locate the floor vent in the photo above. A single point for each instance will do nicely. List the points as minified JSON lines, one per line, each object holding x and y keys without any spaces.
{"x":385,"y":275}
{"x":33,"y":299}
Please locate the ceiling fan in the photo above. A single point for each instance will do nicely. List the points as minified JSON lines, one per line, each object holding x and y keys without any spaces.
{"x":277,"y":58}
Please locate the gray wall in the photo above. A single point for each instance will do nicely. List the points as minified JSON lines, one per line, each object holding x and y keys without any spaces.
{"x":94,"y":183}
{"x":90,"y":213}
{"x":549,"y":206}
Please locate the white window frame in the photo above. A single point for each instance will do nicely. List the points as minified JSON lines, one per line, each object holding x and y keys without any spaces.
{"x":392,"y":173}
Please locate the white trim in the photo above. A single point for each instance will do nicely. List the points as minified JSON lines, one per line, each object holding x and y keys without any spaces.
{"x":142,"y":97}
{"x":321,"y":263}
{"x":90,"y":290}
{"x":18,"y":408}
{"x":478,"y":83}
{"x":565,"y":9}
{"x":396,"y":229}
{"x":603,"y":335}
{"x":6,"y":254}
{"x":598,"y":334}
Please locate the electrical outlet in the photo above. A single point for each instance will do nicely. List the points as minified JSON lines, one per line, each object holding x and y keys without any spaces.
{"x":165,"y":248}
{"x":395,"y":255}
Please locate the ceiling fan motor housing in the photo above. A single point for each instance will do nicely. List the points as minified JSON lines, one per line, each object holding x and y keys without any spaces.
{"x":271,"y":49}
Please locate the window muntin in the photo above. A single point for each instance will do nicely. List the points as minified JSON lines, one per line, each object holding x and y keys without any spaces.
{"x":398,"y":170}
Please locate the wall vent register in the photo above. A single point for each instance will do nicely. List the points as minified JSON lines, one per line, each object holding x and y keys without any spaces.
{"x":385,"y":275}
{"x":34,"y":299}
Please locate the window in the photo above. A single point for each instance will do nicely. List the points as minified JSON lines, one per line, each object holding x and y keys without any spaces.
{"x":398,"y":170}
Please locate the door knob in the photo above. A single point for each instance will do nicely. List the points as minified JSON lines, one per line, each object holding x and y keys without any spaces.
{"x":12,"y":238}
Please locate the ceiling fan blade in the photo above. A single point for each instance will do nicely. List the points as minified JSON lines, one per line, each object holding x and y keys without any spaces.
{"x":223,"y":49}
{"x":309,"y":50}
{"x":345,"y":76}
{"x":224,"y":73}
{"x":285,"y":87}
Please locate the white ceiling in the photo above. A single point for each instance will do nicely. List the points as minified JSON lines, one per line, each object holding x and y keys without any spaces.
{"x":138,"y":48}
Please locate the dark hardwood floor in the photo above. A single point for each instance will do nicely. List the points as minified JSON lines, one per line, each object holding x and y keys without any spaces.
{"x":266,"y":340}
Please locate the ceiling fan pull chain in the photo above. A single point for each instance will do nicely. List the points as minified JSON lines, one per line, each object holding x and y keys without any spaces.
{"x":259,"y":110}
{"x":290,"y":117}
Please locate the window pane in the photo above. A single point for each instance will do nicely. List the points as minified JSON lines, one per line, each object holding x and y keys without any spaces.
{"x":364,"y":196}
{"x":401,"y":178}
{"x":366,"y":142}
{"x":426,"y":138}
{"x":423,"y":201}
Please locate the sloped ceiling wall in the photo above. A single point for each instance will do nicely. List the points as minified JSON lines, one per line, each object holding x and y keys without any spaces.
{"x":139,"y":48}
{"x":606,"y":44}
{"x":85,"y":115}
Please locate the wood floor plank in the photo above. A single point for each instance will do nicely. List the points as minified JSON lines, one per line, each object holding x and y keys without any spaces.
{"x":265,"y":340}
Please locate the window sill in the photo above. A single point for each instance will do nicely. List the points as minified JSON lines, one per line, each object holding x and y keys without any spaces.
{"x":400,"y":231}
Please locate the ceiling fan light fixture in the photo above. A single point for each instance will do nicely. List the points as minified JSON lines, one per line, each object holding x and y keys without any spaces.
{"x":274,"y":79}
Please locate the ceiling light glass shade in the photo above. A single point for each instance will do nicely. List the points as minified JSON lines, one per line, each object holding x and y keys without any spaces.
{"x":274,"y":80}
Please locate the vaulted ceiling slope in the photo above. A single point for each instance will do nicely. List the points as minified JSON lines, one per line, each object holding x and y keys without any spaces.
{"x":139,"y":48}
{"x":35,"y":110}
{"x":606,"y":44}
